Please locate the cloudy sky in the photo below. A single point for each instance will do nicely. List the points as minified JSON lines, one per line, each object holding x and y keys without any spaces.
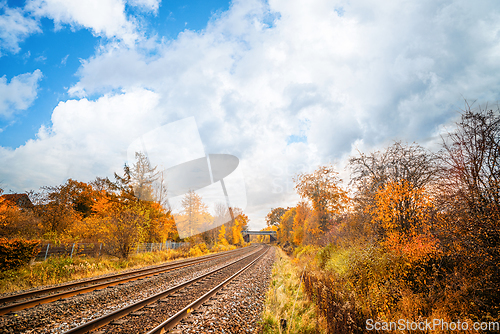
{"x":284,"y":85}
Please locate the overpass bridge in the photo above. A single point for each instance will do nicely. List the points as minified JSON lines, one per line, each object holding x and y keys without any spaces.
{"x":272,"y":235}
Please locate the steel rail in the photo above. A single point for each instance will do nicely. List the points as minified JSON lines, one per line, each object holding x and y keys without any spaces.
{"x":106,"y":319}
{"x":186,"y":311}
{"x":111,"y":281}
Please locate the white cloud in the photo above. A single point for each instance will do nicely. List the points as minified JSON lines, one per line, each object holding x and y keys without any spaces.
{"x":146,"y":5}
{"x":104,"y":17}
{"x":86,"y":139}
{"x":19,"y":93}
{"x":64,"y":60}
{"x":14,"y":28}
{"x":261,"y":73}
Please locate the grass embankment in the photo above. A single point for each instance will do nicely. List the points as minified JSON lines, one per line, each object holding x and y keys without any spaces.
{"x":286,"y":300}
{"x":355,"y":285}
{"x":56,"y":270}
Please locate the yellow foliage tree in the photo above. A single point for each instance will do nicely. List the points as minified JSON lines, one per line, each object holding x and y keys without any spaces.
{"x":237,"y":236}
{"x":222,"y":236}
{"x":286,"y":226}
{"x":300,"y":227}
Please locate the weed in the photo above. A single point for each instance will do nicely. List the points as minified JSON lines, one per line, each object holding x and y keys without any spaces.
{"x":286,"y":300}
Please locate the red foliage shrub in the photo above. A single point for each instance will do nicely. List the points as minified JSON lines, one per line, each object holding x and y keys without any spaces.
{"x":16,"y":252}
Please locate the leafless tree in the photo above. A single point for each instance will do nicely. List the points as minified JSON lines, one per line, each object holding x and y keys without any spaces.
{"x":409,"y":162}
{"x":471,"y":186}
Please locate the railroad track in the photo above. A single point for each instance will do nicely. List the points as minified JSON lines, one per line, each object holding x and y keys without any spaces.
{"x":29,"y":299}
{"x":162,"y":311}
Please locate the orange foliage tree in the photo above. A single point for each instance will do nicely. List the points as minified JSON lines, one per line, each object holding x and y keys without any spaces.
{"x":273,"y":218}
{"x":301,"y":228}
{"x":121,"y":222}
{"x":405,"y":214}
{"x":285,"y":228}
{"x":16,"y":221}
{"x":322,"y":189}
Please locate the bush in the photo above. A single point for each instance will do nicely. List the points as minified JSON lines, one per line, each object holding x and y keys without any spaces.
{"x":198,"y":250}
{"x":334,"y":303}
{"x":219,"y":247}
{"x":306,"y":251}
{"x":16,"y":252}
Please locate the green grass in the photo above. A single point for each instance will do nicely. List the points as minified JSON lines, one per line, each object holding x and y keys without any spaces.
{"x":286,"y":300}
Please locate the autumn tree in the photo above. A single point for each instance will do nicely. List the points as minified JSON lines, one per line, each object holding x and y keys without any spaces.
{"x":194,"y":215}
{"x":322,"y":189}
{"x":143,"y":176}
{"x":236,"y":231}
{"x":138,"y":180}
{"x":472,"y":162}
{"x":137,"y":185}
{"x":401,"y":207}
{"x":301,"y":227}
{"x":239,"y":224}
{"x":398,"y":164}
{"x":60,"y":207}
{"x":222,"y":216}
{"x":242,"y":218}
{"x":118,"y":223}
{"x":273,"y":218}
{"x":409,"y":162}
{"x":406,"y":217}
{"x":285,"y":228}
{"x":81,"y":196}
{"x":470,"y":199}
{"x":159,"y":224}
{"x":121,"y":220}
{"x":222,"y":236}
{"x":17,"y":221}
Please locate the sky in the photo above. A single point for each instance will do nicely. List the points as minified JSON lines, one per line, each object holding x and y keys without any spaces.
{"x":282,"y":85}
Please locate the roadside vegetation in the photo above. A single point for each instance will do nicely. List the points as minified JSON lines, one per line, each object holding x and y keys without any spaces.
{"x":413,"y":235}
{"x":286,"y":301}
{"x":61,"y":269}
{"x":115,"y":216}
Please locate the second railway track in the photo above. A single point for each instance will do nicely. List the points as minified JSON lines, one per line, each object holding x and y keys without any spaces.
{"x":62,"y":315}
{"x":16,"y":302}
{"x":165,"y":309}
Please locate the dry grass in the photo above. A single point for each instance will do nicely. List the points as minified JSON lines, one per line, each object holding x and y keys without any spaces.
{"x":56,"y":270}
{"x":285,"y":300}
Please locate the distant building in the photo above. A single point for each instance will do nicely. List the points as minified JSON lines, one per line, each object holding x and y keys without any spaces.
{"x":20,"y":200}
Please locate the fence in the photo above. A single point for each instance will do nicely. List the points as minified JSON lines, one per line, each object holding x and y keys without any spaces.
{"x":48,"y":250}
{"x":146,"y":247}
